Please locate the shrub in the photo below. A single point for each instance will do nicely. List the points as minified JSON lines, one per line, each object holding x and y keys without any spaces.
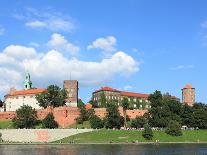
{"x":96,"y":122}
{"x":138,"y":122}
{"x":26,"y":117}
{"x":49,"y":122}
{"x":174,"y":128}
{"x":147,"y":132}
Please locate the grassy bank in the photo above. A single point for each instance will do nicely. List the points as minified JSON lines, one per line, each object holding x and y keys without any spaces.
{"x":6,"y":125}
{"x":110,"y":136}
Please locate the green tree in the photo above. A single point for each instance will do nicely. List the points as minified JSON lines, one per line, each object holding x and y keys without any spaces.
{"x":49,"y":122}
{"x":125,"y":105}
{"x":138,"y":122}
{"x":83,"y":115}
{"x":54,"y":96}
{"x":113,"y":118}
{"x":96,"y":122}
{"x":174,"y":128}
{"x":26,"y":117}
{"x":147,"y":132}
{"x":80,"y":103}
{"x":103,"y":100}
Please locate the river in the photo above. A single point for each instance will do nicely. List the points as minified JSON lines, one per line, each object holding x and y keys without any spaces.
{"x":112,"y":149}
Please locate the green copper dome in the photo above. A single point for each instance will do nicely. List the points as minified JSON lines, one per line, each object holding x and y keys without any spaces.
{"x":27,"y":81}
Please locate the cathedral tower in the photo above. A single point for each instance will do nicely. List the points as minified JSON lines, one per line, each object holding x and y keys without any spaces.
{"x":27,"y":82}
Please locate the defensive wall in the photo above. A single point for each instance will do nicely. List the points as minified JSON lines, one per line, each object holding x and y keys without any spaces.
{"x":67,"y":115}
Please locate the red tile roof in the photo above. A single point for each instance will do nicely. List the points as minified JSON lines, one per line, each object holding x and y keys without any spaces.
{"x":88,"y":106}
{"x":131,"y":94}
{"x":29,"y":91}
{"x":188,"y":86}
{"x":107,"y":89}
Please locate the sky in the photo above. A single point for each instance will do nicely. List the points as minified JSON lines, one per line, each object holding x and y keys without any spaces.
{"x":132,"y":45}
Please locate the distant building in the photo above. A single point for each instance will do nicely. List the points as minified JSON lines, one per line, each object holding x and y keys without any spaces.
{"x":136,"y":100}
{"x":17,"y":98}
{"x":71,"y":87}
{"x":188,"y":95}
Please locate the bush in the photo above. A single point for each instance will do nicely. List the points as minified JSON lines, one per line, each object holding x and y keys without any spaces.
{"x":174,"y":128}
{"x":96,"y":122}
{"x":49,"y":122}
{"x":138,"y":122}
{"x":26,"y":117}
{"x":147,"y":133}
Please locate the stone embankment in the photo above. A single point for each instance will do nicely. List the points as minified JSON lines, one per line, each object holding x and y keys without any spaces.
{"x":38,"y":135}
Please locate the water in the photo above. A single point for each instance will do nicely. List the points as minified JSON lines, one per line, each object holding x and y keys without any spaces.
{"x":148,"y":149}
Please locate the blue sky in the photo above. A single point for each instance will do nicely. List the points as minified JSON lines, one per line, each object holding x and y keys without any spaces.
{"x":139,"y":46}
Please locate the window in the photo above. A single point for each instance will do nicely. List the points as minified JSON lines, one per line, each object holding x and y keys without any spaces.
{"x":140,"y":100}
{"x":135,"y":105}
{"x":17,"y":97}
{"x":135,"y":100}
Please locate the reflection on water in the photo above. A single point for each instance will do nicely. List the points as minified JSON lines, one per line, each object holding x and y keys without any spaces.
{"x":148,"y":149}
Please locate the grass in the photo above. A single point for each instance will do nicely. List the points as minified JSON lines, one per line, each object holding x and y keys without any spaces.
{"x":110,"y":136}
{"x":6,"y":124}
{"x":85,"y":125}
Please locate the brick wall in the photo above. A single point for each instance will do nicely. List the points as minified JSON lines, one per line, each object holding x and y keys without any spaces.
{"x":66,"y":115}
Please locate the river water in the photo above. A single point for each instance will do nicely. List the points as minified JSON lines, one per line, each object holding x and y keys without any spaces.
{"x":143,"y":149}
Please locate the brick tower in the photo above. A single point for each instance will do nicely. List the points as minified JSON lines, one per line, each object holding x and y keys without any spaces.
{"x":71,"y":87}
{"x":188,"y":95}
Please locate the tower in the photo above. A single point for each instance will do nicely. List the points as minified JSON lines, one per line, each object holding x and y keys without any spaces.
{"x":71,"y":87}
{"x":27,"y":81}
{"x":188,"y":95}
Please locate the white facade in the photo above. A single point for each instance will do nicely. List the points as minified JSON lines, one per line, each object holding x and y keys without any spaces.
{"x":12,"y":103}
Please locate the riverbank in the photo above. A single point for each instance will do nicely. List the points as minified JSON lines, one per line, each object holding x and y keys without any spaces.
{"x":133,"y":137}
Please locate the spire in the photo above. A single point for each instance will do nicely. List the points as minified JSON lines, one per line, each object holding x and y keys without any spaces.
{"x":27,"y":81}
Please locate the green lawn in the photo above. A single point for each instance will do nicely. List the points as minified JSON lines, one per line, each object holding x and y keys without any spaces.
{"x":85,"y":125}
{"x":108,"y":136}
{"x":6,"y":124}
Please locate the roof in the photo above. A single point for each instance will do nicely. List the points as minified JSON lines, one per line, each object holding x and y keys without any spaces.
{"x":131,"y":94}
{"x":107,"y":89}
{"x":188,"y":86}
{"x":88,"y":106}
{"x":26,"y":92}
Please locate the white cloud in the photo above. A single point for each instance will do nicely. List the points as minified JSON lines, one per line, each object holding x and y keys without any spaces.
{"x":53,"y":67}
{"x":2,"y":30}
{"x":179,"y":67}
{"x":128,"y":87}
{"x":106,"y":44}
{"x":58,"y":42}
{"x":49,"y":20}
{"x":34,"y":44}
{"x":204,"y":24}
{"x":36,"y":23}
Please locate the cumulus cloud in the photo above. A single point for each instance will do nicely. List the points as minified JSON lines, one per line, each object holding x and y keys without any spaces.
{"x":53,"y":67}
{"x":179,"y":67}
{"x":105,"y":44}
{"x":58,"y":42}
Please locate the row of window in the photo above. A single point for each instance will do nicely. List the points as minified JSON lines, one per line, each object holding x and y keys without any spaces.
{"x":118,"y":98}
{"x":17,"y":97}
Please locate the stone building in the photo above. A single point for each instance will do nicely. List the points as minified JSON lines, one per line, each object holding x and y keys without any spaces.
{"x":17,"y":98}
{"x":107,"y":95}
{"x":188,"y":95}
{"x":71,"y":87}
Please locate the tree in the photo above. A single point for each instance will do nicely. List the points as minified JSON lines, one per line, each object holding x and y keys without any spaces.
{"x":125,"y":105}
{"x":103,"y":100}
{"x":174,"y":128}
{"x":83,"y":115}
{"x":26,"y":117}
{"x":147,"y":132}
{"x":155,"y":99}
{"x":113,"y":118}
{"x":54,"y":96}
{"x":138,"y":122}
{"x":96,"y":122}
{"x":49,"y":122}
{"x":80,"y":103}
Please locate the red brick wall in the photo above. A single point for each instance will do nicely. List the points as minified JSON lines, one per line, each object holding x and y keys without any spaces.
{"x":66,"y":115}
